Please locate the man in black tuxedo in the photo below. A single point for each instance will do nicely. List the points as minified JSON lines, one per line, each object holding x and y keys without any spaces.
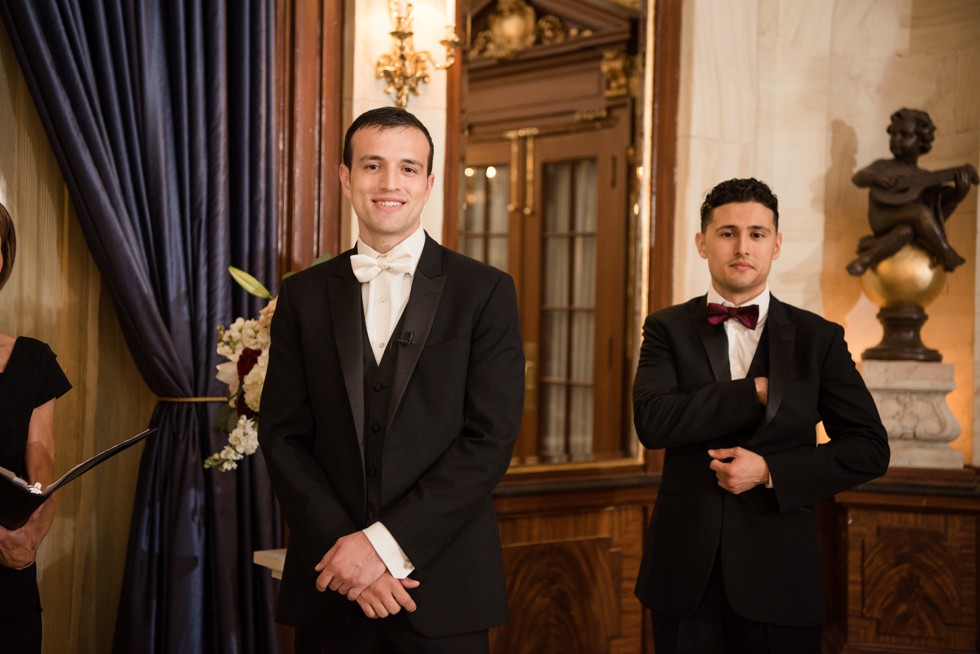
{"x":732,"y":385}
{"x":391,"y":405}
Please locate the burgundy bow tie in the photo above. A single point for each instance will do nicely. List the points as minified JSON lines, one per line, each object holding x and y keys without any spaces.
{"x":747,"y":315}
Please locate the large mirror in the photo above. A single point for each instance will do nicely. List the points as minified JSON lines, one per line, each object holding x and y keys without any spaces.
{"x":552,"y":189}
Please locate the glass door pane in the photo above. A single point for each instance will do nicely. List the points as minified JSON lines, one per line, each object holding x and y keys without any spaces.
{"x":484,"y":219}
{"x":568,"y":276}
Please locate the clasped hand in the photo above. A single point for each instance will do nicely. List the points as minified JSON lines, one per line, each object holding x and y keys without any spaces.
{"x":738,"y":469}
{"x":18,"y":548}
{"x":353,"y":568}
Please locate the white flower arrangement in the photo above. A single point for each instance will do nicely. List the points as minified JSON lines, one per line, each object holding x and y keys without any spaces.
{"x":243,"y":440}
{"x":245,"y":343}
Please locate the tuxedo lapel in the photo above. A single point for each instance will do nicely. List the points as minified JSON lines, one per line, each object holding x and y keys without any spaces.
{"x":416,"y":322}
{"x":714,"y":339}
{"x":348,"y":324}
{"x":782,"y":338}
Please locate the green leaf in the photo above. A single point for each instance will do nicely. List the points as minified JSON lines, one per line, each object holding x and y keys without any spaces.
{"x":326,"y":256}
{"x":223,"y":416}
{"x":249,"y":283}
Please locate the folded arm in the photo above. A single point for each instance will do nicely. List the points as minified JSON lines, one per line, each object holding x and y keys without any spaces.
{"x":858,"y":448}
{"x":665,"y":415}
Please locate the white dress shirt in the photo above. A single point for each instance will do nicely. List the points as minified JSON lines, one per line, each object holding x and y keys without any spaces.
{"x":387,"y":294}
{"x":391,"y":289}
{"x":742,"y":341}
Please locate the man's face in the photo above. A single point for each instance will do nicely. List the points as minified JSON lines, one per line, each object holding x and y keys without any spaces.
{"x":387,"y":183}
{"x":740,"y":244}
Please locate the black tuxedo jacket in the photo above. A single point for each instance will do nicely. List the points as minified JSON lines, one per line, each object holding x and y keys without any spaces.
{"x":765,"y":539}
{"x":455,"y":410}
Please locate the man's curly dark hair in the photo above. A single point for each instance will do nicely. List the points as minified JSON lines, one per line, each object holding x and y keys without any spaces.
{"x":739,"y":190}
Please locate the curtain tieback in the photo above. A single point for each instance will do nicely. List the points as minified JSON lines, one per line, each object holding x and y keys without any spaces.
{"x":192,"y":399}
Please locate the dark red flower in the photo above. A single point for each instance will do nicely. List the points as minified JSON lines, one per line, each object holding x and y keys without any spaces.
{"x":246,"y":361}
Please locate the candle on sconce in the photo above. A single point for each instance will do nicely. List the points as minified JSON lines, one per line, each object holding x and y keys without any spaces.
{"x":399,"y":8}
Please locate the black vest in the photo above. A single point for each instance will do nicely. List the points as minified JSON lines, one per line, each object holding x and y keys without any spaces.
{"x":377,"y":397}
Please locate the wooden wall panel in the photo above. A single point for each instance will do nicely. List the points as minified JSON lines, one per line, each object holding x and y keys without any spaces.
{"x":570,"y":587}
{"x":309,"y":66}
{"x":911,"y":573}
{"x":571,"y":558}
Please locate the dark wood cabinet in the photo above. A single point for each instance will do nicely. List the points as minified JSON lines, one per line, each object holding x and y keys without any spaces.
{"x":572,"y":552}
{"x":902,"y":560}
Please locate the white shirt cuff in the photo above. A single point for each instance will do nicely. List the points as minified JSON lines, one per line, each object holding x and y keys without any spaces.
{"x":387,"y":548}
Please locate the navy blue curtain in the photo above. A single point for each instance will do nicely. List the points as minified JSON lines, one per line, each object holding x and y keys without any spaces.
{"x":160,"y":115}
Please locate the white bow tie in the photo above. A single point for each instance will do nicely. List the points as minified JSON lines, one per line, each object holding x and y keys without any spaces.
{"x":367,"y":267}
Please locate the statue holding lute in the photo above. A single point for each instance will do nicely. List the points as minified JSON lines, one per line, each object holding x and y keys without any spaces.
{"x":906,"y":203}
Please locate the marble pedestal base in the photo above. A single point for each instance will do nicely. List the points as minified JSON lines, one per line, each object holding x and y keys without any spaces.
{"x":911,"y":398}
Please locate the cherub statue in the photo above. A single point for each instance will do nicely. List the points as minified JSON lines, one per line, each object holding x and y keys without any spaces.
{"x":908,"y":203}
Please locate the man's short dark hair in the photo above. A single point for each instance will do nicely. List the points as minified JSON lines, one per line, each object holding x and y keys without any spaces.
{"x":8,"y":244}
{"x":385,"y":118}
{"x":739,"y":190}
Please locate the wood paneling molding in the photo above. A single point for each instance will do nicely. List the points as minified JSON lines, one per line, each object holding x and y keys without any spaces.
{"x":309,"y":66}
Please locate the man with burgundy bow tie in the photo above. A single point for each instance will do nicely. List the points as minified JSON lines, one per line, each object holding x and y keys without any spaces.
{"x":392,"y":402}
{"x":732,"y":386}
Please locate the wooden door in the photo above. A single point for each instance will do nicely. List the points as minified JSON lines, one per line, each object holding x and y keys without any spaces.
{"x":550,"y":209}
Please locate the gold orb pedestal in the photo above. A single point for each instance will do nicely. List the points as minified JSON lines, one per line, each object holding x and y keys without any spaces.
{"x":902,"y":285}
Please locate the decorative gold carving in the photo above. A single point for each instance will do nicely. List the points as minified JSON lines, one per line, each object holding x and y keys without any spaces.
{"x":513,"y":27}
{"x":618,"y":69}
{"x":551,"y":30}
{"x":530,"y":376}
{"x":590,"y":115}
{"x":404,"y":68}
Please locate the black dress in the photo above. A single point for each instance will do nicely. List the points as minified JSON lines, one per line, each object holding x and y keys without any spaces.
{"x":31,"y":378}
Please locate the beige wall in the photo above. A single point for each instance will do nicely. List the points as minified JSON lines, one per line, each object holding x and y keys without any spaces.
{"x":56,"y":295}
{"x":798,"y":93}
{"x":368,"y":29}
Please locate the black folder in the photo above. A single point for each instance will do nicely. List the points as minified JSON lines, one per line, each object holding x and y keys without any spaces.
{"x":18,"y":501}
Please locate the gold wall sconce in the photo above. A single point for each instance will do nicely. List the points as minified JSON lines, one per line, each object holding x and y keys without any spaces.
{"x":404,"y":68}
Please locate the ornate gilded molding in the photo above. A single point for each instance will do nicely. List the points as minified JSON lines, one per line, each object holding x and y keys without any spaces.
{"x":617,"y":67}
{"x":513,"y":27}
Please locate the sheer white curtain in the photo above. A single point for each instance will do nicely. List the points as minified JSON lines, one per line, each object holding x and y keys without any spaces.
{"x":556,"y":282}
{"x":485,"y":221}
{"x":583,"y":316}
{"x":570,"y":214}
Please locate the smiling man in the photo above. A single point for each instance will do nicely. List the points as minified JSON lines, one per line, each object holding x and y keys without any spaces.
{"x":732,"y":385}
{"x":391,"y":405}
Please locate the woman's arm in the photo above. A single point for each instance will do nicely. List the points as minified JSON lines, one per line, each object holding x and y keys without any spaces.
{"x":19,"y":548}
